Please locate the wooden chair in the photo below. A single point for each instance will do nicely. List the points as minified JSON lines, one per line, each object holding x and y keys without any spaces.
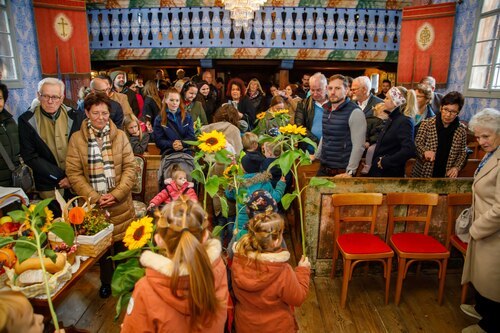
{"x":413,"y":247}
{"x":359,"y":247}
{"x":139,"y":189}
{"x":456,"y":203}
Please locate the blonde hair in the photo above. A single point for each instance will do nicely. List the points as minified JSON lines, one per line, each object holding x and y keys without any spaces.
{"x":151,"y":90}
{"x":263,"y":231}
{"x":129,"y":119}
{"x":182,"y":225}
{"x":409,"y":109}
{"x":259,"y":87}
{"x":249,"y":140}
{"x":274,"y":148}
{"x":12,"y":304}
{"x":176,"y":173}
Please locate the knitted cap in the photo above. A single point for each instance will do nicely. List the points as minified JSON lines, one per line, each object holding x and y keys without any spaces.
{"x":261,"y":202}
{"x":114,"y":74}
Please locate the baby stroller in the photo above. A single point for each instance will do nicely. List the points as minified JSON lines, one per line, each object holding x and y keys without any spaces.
{"x":183,"y":160}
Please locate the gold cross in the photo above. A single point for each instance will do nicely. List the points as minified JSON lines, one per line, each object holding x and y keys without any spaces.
{"x":63,"y":23}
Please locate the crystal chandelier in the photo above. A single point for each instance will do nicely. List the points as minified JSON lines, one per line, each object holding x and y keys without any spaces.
{"x":242,"y":10}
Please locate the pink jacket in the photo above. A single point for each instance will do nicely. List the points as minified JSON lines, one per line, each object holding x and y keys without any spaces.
{"x":172,"y":193}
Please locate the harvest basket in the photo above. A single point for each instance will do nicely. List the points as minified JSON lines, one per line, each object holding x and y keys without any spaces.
{"x":15,"y":233}
{"x":92,"y":246}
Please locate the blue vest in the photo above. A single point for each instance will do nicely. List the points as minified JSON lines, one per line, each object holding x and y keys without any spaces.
{"x":337,"y":144}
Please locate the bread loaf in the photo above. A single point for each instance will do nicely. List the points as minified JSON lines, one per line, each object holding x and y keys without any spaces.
{"x":34,"y":263}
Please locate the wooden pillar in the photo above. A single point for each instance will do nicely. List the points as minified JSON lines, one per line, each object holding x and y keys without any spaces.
{"x":284,"y":77}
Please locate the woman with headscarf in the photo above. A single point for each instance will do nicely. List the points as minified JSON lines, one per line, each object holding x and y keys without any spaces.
{"x":100,"y":166}
{"x":441,"y":141}
{"x":395,"y":143}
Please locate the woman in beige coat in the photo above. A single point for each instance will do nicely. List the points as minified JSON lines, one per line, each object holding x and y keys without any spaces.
{"x":100,"y":165}
{"x":482,"y":262}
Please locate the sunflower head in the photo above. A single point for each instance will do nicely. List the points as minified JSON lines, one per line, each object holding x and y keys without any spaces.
{"x":231,"y":170}
{"x":212,"y":142}
{"x":261,"y":115}
{"x":138,"y":233}
{"x":281,"y":111}
{"x":293,"y":129}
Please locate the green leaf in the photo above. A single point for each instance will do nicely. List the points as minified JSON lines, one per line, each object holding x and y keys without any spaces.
{"x":217,"y":230}
{"x":222,"y":157}
{"x":191,"y":143}
{"x":198,"y":175}
{"x":286,"y":161}
{"x":224,"y":206}
{"x":43,"y":238}
{"x":212,"y":185}
{"x":317,"y":181}
{"x":122,"y":303}
{"x":24,"y":250}
{"x":311,"y":142}
{"x":5,"y":241}
{"x":18,"y":215}
{"x":127,"y":254}
{"x":39,"y":208}
{"x":64,"y":231}
{"x":287,"y":199}
{"x":50,"y":254}
{"x":125,"y":276}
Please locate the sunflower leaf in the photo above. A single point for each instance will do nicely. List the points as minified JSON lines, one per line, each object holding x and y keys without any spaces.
{"x":50,"y":254}
{"x":40,"y":207}
{"x":191,"y":143}
{"x":318,"y":181}
{"x":198,"y":175}
{"x":224,"y":206}
{"x":217,"y":230}
{"x":212,"y":185}
{"x":24,"y":250}
{"x":287,"y":199}
{"x":286,"y":161}
{"x":18,"y":215}
{"x":122,"y":303}
{"x":310,"y":142}
{"x":5,"y":241}
{"x":126,"y":254}
{"x":64,"y":231}
{"x":125,"y":276}
{"x":222,"y":157}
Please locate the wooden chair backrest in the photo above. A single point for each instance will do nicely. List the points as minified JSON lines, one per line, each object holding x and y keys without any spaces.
{"x":455,"y":200}
{"x":139,"y":189}
{"x":355,"y":199}
{"x":410,"y":199}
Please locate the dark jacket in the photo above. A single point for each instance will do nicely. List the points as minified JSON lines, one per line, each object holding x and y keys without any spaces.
{"x":150,"y":109}
{"x":372,"y":101}
{"x":374,"y":126}
{"x":9,"y":138}
{"x":251,"y":106}
{"x":132,"y":100}
{"x":139,"y":146}
{"x":176,"y":129}
{"x":304,"y":116}
{"x":37,"y":154}
{"x":394,"y":145}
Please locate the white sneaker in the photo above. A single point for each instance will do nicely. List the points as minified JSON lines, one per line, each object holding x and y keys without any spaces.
{"x":470,"y":311}
{"x":473,"y":329}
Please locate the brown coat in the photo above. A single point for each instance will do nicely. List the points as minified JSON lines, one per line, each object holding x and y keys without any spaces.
{"x":153,"y":307}
{"x":77,"y":169}
{"x":482,"y":262}
{"x":123,"y":100}
{"x":266,"y":290}
{"x":427,"y":140}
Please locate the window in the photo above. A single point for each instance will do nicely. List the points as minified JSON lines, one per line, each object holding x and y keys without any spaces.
{"x":9,"y":64}
{"x":483,"y":74}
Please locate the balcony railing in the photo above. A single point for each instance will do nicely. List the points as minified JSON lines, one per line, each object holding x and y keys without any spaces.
{"x":273,"y":27}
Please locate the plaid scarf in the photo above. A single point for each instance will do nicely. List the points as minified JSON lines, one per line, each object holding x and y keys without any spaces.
{"x":102,"y":169}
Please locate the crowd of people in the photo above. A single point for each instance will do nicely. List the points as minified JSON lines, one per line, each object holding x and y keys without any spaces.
{"x":89,"y":151}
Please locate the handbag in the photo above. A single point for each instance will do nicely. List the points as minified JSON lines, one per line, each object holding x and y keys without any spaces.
{"x":22,"y":175}
{"x":462,"y":225}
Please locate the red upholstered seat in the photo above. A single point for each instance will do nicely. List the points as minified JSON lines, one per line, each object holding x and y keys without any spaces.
{"x":457,"y":242}
{"x":359,"y":243}
{"x":417,"y":243}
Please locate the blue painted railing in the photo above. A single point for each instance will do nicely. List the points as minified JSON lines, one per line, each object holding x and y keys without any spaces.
{"x":273,"y":27}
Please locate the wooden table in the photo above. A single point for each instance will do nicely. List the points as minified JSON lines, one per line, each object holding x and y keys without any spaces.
{"x":41,"y":306}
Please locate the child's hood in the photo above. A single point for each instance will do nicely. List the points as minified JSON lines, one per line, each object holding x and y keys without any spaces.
{"x":256,"y":178}
{"x":254,"y":275}
{"x":159,"y":269}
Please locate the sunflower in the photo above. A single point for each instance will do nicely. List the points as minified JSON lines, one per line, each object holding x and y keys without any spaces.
{"x":261,"y":115}
{"x":212,"y":142}
{"x":282,"y":111}
{"x":231,"y":170}
{"x":293,"y":129}
{"x":138,"y":233}
{"x":49,"y":215}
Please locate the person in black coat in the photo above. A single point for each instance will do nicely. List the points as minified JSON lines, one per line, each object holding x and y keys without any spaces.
{"x":254,"y":102}
{"x":395,"y":143}
{"x":9,"y":138}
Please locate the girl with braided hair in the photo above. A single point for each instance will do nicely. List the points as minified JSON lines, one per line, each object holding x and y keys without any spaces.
{"x":185,"y":287}
{"x":265,"y":285}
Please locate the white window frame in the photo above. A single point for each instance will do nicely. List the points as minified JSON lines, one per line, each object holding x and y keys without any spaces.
{"x":18,"y":82}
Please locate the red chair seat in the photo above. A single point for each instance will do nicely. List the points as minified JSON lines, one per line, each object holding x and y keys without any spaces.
{"x":360,"y":243}
{"x":457,"y":242}
{"x":417,"y":243}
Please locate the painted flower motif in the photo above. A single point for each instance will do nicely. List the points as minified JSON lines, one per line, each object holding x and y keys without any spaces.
{"x":76,"y":215}
{"x":212,"y":142}
{"x":138,"y":233}
{"x":293,"y":129}
{"x":231,"y":170}
{"x":261,"y":115}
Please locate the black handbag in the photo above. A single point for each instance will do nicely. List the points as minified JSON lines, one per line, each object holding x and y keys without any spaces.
{"x":22,"y":175}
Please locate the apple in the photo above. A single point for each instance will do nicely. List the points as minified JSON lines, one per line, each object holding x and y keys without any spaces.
{"x":5,"y":219}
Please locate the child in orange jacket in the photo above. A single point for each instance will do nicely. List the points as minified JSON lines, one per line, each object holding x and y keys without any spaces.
{"x":174,"y":188}
{"x":265,"y":285}
{"x":185,"y":287}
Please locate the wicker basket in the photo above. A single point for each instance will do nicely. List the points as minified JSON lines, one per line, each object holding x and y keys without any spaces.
{"x":93,"y":250}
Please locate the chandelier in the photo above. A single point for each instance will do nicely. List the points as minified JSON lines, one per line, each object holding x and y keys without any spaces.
{"x":242,"y":11}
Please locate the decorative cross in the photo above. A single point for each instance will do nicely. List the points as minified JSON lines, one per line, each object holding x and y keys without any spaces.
{"x":62,"y":23}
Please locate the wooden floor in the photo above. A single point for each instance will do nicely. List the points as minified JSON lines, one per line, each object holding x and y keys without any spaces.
{"x":365,"y":310}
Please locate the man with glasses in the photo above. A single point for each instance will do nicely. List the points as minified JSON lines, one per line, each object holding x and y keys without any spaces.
{"x":361,"y":90}
{"x":44,"y":131}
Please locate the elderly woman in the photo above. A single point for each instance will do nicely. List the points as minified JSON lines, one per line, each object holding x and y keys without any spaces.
{"x":441,"y":141}
{"x":482,"y":262}
{"x":424,"y":98}
{"x":395,"y":143}
{"x":100,"y":165}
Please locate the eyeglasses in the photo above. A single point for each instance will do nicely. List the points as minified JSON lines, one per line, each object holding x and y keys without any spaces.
{"x":50,"y":98}
{"x":448,"y":111}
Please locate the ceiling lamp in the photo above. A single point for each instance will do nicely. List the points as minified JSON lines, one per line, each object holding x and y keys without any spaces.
{"x":242,"y":11}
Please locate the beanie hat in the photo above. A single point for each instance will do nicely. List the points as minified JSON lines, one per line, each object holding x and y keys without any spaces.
{"x":261,"y":202}
{"x":251,"y":162}
{"x":397,"y":97}
{"x":114,"y":74}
